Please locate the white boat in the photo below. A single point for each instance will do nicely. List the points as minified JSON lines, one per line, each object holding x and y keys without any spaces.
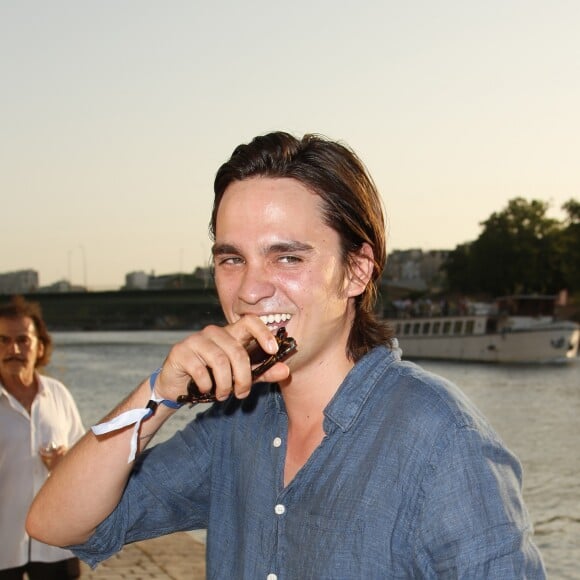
{"x":516,"y":329}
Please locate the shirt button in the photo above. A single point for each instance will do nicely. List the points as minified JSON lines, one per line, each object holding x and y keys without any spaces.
{"x":277,"y":442}
{"x":279,"y":509}
{"x":271,"y":577}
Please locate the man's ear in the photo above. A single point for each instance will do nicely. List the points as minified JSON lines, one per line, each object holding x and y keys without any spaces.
{"x":360,"y":270}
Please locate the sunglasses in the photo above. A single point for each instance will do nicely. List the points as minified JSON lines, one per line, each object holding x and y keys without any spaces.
{"x":286,"y":346}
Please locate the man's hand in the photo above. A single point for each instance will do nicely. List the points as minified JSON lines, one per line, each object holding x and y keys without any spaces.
{"x":51,"y":455}
{"x":220,"y":353}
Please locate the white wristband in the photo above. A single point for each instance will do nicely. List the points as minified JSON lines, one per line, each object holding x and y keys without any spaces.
{"x":135,"y":416}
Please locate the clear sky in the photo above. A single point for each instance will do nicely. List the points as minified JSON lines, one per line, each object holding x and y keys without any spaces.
{"x":115,"y":115}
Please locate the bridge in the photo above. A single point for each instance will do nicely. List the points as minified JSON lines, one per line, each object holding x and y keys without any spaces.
{"x":128,"y":310}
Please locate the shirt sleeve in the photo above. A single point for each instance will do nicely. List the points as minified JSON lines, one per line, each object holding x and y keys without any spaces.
{"x":473,"y":522}
{"x":75,"y":424}
{"x":168,"y":491}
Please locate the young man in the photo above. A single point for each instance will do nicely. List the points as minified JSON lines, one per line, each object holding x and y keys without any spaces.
{"x":340,"y":462}
{"x":39,"y":421}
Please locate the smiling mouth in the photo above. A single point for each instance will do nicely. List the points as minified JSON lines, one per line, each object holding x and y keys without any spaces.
{"x":273,"y":320}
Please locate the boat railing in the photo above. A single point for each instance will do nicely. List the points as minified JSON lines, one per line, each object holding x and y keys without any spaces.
{"x":441,"y":326}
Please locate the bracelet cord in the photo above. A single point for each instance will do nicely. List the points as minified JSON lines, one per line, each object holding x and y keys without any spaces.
{"x":135,"y":417}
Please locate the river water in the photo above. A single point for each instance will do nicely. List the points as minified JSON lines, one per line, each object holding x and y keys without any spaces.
{"x":536,"y":410}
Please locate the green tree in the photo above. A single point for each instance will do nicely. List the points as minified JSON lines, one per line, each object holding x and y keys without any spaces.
{"x":518,"y":251}
{"x":570,"y":246}
{"x":461,"y":275}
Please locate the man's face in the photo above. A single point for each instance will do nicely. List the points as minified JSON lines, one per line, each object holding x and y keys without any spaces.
{"x":276,"y":258}
{"x":19,"y":348}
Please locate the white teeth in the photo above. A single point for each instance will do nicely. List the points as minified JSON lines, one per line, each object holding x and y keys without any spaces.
{"x":275,"y":318}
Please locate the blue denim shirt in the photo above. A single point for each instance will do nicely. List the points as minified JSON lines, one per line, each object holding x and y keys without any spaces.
{"x":410,"y":481}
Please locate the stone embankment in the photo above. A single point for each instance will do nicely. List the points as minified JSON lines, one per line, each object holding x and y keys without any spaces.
{"x":177,"y":556}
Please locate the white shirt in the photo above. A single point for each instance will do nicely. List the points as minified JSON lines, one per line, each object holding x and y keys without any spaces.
{"x":54,"y":417}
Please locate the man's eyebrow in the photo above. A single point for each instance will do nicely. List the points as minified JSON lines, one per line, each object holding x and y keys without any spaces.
{"x":221,"y":249}
{"x":288,"y":247}
{"x":276,"y":248}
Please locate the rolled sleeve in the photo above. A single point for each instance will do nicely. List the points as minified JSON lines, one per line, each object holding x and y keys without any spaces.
{"x":163,"y":495}
{"x":104,"y":543}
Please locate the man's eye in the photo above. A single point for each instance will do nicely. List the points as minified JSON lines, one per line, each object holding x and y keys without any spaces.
{"x":290,"y":259}
{"x":228,"y":260}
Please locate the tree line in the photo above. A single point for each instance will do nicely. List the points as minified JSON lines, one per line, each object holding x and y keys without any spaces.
{"x":520,"y":250}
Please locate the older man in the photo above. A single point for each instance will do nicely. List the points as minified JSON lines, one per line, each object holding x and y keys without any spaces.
{"x":39,"y":421}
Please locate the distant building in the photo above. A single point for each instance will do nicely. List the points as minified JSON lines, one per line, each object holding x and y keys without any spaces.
{"x":20,"y":282}
{"x":415,"y":269}
{"x":165,"y":282}
{"x":61,"y":286}
{"x":137,"y":281}
{"x":431,"y":263}
{"x":199,"y":278}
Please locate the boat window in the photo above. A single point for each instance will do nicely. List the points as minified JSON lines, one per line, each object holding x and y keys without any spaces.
{"x":398,"y":329}
{"x":457,"y":327}
{"x":407,"y":329}
{"x":416,"y":327}
{"x":436,"y":327}
{"x":469,"y":325}
{"x":426,"y":327}
{"x":446,"y":327}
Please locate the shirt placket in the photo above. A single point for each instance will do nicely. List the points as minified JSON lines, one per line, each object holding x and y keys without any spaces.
{"x":282,"y":496}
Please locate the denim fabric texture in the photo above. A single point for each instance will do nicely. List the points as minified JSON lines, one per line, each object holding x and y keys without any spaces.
{"x":410,"y":481}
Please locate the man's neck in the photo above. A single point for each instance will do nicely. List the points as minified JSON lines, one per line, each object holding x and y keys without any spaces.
{"x":309,"y":391}
{"x":23,"y":388}
{"x":19,"y":382}
{"x":306,"y":395}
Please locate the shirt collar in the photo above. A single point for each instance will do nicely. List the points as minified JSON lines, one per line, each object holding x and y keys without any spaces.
{"x":39,"y":381}
{"x":350,"y":397}
{"x":347,"y":403}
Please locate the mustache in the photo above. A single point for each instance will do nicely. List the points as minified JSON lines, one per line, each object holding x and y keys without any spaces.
{"x":14,"y":358}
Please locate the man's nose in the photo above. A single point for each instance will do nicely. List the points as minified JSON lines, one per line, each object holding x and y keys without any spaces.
{"x":257,"y":284}
{"x":14,"y":347}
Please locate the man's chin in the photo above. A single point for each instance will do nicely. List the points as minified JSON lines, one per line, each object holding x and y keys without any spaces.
{"x":14,"y":367}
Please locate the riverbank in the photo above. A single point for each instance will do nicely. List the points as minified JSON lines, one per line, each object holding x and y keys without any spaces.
{"x":177,"y":556}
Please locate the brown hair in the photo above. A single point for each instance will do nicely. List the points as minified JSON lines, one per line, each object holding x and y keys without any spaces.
{"x":351,"y":206}
{"x":19,"y":307}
